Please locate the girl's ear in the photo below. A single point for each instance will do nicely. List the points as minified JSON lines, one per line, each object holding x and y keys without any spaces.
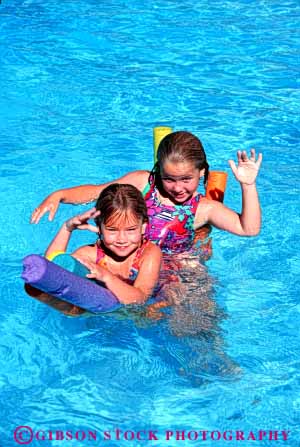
{"x":202,"y":172}
{"x":144,"y":226}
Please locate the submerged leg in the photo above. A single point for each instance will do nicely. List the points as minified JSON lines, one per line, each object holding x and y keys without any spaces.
{"x":57,"y":304}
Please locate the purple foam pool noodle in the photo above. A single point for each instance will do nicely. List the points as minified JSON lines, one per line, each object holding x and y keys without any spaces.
{"x":63,"y":284}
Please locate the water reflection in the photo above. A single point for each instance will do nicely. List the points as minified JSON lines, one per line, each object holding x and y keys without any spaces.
{"x":185,"y":319}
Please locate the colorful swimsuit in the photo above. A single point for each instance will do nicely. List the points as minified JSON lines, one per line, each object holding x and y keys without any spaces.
{"x":134,"y":270}
{"x":171,"y":227}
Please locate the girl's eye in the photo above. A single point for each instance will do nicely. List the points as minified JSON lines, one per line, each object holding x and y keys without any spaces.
{"x":184,"y":180}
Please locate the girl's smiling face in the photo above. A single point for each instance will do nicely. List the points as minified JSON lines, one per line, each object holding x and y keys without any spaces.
{"x":122,"y":234}
{"x":180,"y":180}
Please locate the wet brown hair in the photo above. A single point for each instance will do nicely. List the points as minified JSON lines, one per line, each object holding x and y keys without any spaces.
{"x":181,"y":147}
{"x":118,"y":200}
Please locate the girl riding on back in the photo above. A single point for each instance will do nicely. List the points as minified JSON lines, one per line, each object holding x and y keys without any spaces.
{"x":175,"y":208}
{"x":121,"y":259}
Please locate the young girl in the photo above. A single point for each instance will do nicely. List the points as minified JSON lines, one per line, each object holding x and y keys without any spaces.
{"x":122,"y":259}
{"x":175,"y":208}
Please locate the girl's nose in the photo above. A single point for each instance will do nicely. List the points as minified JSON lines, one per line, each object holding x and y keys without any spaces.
{"x":177,"y":186}
{"x":121,"y":236}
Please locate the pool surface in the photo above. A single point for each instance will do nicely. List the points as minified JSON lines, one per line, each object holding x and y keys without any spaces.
{"x":82,"y":85}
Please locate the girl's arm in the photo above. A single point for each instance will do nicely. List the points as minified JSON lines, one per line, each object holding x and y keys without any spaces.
{"x":80,"y":222}
{"x":247,"y":223}
{"x":144,"y":283}
{"x":83,"y":194}
{"x":60,"y":241}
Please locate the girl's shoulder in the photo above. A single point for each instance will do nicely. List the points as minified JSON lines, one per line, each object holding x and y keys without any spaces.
{"x":151,"y":250}
{"x":87,"y":251}
{"x":204,"y":211}
{"x":149,"y":259}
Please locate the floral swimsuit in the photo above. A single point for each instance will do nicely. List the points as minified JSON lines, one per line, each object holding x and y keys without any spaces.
{"x":171,"y":227}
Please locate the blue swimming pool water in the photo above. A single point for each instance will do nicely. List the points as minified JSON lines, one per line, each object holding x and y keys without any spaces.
{"x":82,"y":85}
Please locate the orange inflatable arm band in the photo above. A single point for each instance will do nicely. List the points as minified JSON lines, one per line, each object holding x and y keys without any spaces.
{"x":216,"y":185}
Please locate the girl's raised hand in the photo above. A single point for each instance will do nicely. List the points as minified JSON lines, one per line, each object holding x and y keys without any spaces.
{"x":247,"y":169}
{"x":49,"y":205}
{"x":80,"y":222}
